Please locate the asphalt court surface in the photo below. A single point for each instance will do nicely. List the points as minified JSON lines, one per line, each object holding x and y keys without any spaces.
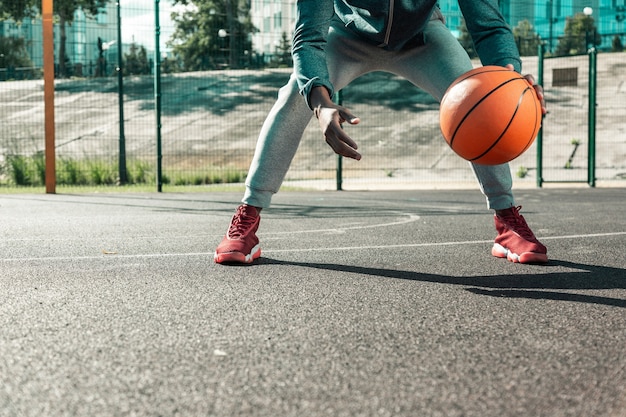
{"x":377,"y":303}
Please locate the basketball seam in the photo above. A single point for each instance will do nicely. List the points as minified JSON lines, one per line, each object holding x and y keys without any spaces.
{"x":534,"y":132}
{"x":506,"y":129}
{"x":478,"y":73}
{"x":493,"y":90}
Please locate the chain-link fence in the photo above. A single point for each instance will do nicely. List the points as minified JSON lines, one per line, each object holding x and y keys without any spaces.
{"x":210,"y":118}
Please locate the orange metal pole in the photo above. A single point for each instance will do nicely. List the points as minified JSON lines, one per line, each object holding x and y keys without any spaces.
{"x":48,"y":88}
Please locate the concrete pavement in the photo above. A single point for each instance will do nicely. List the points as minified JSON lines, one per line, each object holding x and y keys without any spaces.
{"x":379,"y":303}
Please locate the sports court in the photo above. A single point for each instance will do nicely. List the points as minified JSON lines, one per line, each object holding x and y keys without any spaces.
{"x":364,"y":303}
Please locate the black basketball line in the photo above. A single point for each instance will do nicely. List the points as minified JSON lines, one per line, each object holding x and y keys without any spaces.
{"x":481,"y":72}
{"x":534,"y":132}
{"x":456,"y":130}
{"x":519,"y":103}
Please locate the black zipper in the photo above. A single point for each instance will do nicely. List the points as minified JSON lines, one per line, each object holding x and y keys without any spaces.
{"x":389,"y":21}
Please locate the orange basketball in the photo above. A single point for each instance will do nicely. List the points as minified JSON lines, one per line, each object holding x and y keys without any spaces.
{"x":490,"y":115}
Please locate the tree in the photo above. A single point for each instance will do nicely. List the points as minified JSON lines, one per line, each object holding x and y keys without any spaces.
{"x":17,"y":9}
{"x":136,"y":61}
{"x":13,"y":53}
{"x":616,"y":44}
{"x":63,"y":9}
{"x":527,"y":39}
{"x":580,"y":32}
{"x":211,"y":34}
{"x":283,"y":52}
{"x":170,"y":65}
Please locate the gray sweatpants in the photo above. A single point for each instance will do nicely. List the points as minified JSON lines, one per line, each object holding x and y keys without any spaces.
{"x":432,"y":67}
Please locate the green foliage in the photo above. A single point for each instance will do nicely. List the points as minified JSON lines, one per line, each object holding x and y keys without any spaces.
{"x":13,"y":53}
{"x":20,"y":9}
{"x":63,"y":9}
{"x":28,"y":171}
{"x":101,"y":173}
{"x":66,"y":8}
{"x":197,"y":43}
{"x":580,"y":31}
{"x":17,"y":9}
{"x":136,"y":61}
{"x":218,"y":176}
{"x":70,"y":172}
{"x":283,"y":59}
{"x":522,"y":172}
{"x":169,"y":66}
{"x":527,"y":39}
{"x":617,"y":45}
{"x":39,"y":167}
{"x":140,"y":172}
{"x":19,"y":170}
{"x":570,"y":161}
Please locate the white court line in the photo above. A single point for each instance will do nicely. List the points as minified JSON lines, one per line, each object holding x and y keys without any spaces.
{"x":338,"y":230}
{"x":434,"y":244}
{"x":324,"y":249}
{"x":410,"y":218}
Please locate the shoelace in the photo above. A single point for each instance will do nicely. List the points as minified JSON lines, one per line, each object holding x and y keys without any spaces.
{"x":517,"y":222}
{"x":240,"y":224}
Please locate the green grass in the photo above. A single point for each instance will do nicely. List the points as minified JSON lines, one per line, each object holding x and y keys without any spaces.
{"x":216,"y":177}
{"x":522,"y":172}
{"x":120,"y":189}
{"x":28,"y":172}
{"x":136,"y":188}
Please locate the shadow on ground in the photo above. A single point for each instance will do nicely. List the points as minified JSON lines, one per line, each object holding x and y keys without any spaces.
{"x":531,"y":286}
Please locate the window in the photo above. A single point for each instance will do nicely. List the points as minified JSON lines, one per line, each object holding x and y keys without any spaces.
{"x":278,"y":20}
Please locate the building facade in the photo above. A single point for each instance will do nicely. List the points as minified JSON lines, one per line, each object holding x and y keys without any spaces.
{"x":82,"y":51}
{"x":275,"y":20}
{"x":549,"y":17}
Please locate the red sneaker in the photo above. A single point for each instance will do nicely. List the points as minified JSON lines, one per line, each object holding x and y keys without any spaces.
{"x":240,"y":245}
{"x":515,"y":240}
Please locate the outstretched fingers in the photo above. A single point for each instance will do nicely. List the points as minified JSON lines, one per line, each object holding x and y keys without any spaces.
{"x":330,"y":120}
{"x":341,"y":143}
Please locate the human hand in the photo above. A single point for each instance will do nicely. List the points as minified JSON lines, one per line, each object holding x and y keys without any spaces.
{"x":330,"y":118}
{"x":537,"y":87}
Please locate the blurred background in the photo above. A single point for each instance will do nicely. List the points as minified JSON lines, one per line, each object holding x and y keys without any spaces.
{"x":216,"y":66}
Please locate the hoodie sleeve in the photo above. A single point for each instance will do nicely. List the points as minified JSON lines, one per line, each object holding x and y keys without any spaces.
{"x":492,"y":36}
{"x":309,"y":45}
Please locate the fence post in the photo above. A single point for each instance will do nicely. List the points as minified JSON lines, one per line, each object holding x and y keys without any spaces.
{"x":157,"y":95}
{"x":591,"y":121}
{"x":120,"y":92}
{"x":540,"y":55}
{"x":48,"y":74}
{"x":339,"y":171}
